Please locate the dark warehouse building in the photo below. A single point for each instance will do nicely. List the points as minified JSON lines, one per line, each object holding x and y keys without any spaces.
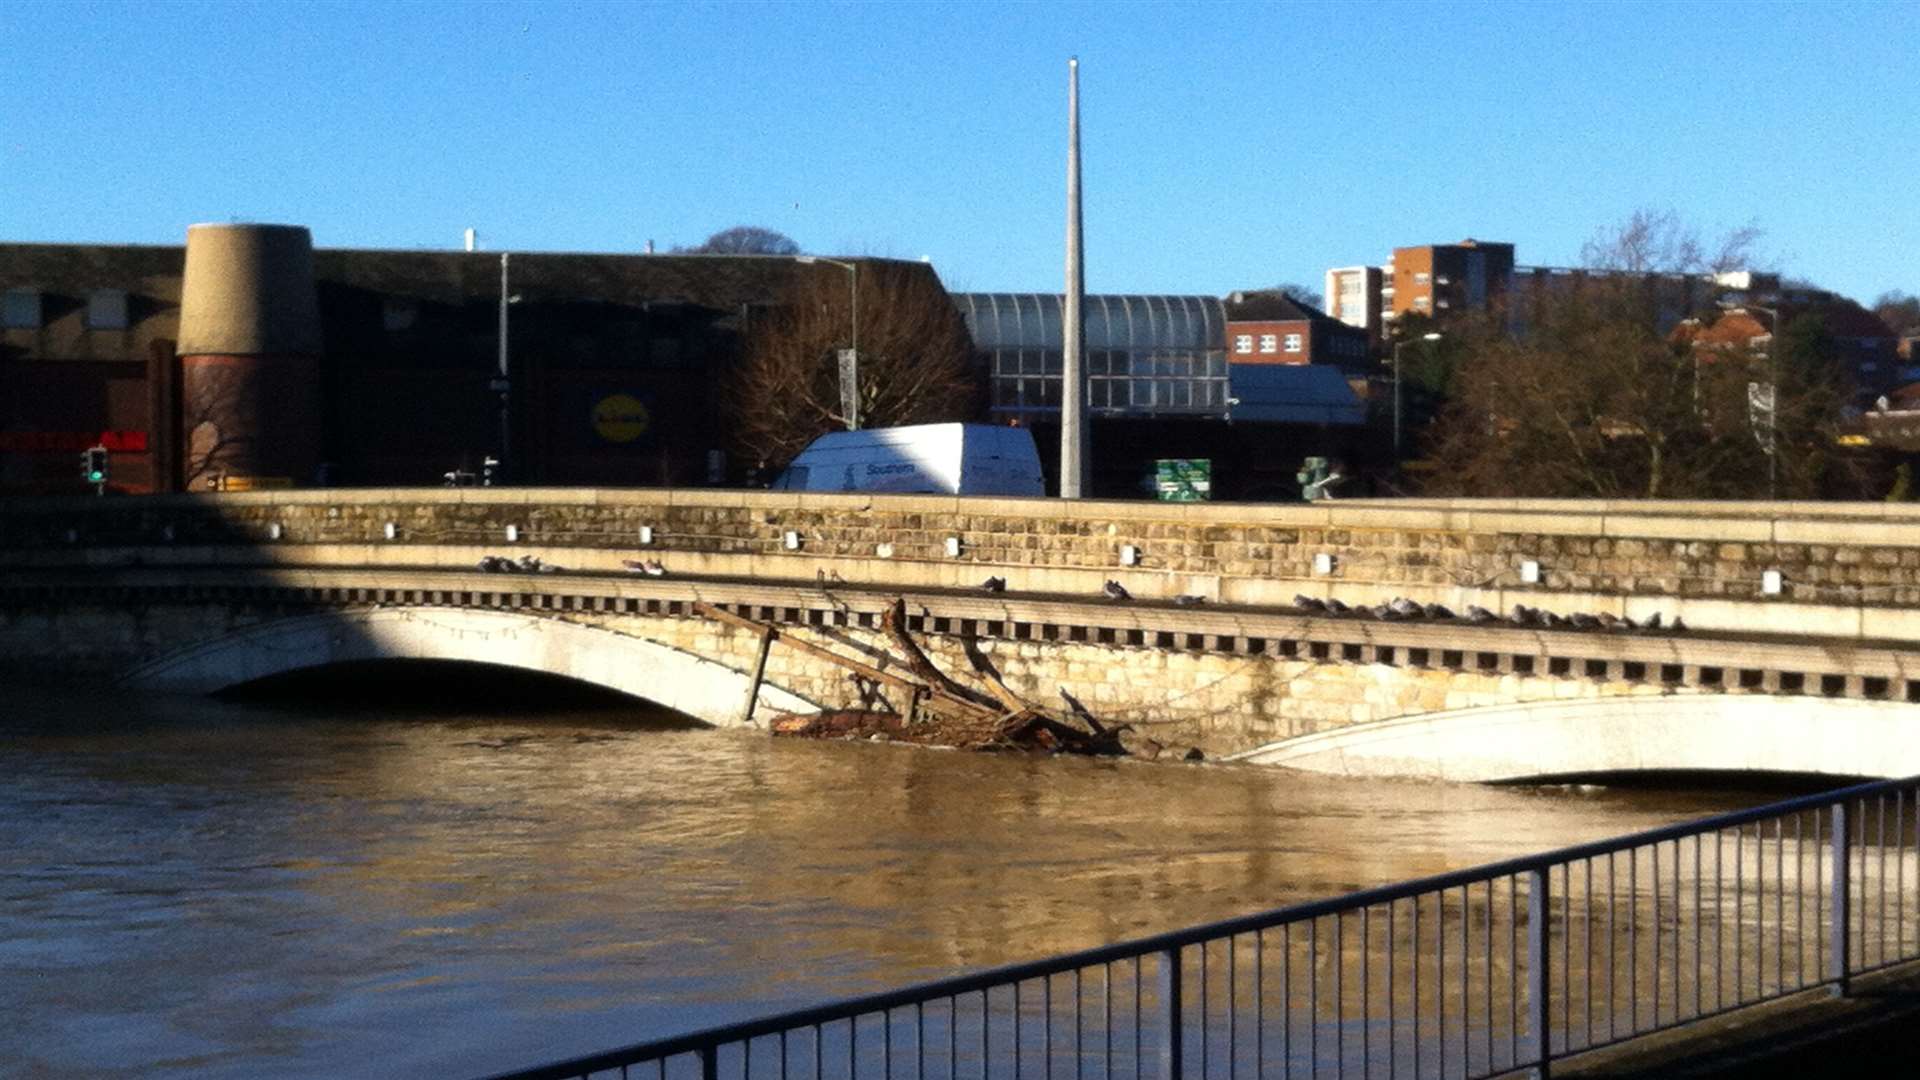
{"x":248,"y":358}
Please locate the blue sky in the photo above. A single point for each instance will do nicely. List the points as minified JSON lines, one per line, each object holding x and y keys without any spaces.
{"x":1227,"y":146}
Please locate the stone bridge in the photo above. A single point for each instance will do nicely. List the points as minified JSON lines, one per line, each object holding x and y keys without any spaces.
{"x":1799,"y":654}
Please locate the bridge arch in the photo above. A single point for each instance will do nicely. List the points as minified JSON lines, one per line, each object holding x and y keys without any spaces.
{"x":701,"y":688}
{"x":1705,"y":732}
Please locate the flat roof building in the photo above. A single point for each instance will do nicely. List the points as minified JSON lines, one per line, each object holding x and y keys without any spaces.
{"x":613,"y":363}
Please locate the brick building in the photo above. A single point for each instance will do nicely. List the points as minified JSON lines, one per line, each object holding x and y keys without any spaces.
{"x":613,"y":362}
{"x":1436,"y":280}
{"x":1273,"y":328}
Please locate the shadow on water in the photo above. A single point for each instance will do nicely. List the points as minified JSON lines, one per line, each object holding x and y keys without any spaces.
{"x":1763,"y":786}
{"x":450,"y":688}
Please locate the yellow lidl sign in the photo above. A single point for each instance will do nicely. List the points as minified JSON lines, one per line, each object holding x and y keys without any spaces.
{"x":620,"y":418}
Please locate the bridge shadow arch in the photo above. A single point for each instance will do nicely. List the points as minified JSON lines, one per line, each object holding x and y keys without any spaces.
{"x":1725,"y":733}
{"x":703,"y":689}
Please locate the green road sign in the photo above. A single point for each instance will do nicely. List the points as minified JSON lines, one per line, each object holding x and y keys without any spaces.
{"x":1183,"y":479}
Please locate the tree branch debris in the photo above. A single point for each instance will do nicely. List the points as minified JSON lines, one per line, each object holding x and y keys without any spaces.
{"x":934,"y":709}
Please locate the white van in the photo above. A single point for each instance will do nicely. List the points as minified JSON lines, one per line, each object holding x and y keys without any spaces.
{"x":948,"y":459}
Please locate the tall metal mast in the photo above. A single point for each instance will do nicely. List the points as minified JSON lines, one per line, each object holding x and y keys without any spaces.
{"x":1073,"y":434}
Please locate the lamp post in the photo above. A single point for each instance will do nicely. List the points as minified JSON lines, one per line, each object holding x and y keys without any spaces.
{"x":1771,"y":401}
{"x":1397,"y":346}
{"x":500,"y":383}
{"x":850,"y":362}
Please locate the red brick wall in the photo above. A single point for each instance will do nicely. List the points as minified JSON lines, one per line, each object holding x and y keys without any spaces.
{"x":1278,"y":330}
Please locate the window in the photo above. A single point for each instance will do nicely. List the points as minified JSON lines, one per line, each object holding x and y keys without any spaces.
{"x":1243,"y":343}
{"x":1421,"y":302}
{"x":107,"y":309}
{"x":1269,"y":343}
{"x":1421,"y":278}
{"x":21,"y":310}
{"x":1293,"y":343}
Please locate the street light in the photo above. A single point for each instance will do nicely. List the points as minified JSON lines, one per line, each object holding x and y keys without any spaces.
{"x":1771,"y":401}
{"x":850,"y":362}
{"x":1397,"y":346}
{"x":500,"y":384}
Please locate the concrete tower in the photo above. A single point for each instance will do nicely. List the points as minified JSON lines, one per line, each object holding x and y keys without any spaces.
{"x":249,"y":355}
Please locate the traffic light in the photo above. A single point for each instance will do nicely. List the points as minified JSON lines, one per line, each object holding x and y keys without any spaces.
{"x":93,"y":465}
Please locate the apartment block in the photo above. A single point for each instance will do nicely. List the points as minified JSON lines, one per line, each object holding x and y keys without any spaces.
{"x":1353,"y":297}
{"x":1439,"y":279}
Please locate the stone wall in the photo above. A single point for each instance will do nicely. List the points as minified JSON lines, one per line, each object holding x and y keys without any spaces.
{"x":1223,"y":702}
{"x":1846,"y":570}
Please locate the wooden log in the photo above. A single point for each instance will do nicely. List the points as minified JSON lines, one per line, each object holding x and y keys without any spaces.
{"x":936,"y":701}
{"x":894,"y":622}
{"x":767,"y":634}
{"x":998,"y":688}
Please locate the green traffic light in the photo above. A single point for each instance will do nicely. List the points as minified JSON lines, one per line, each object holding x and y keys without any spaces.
{"x":95,"y":477}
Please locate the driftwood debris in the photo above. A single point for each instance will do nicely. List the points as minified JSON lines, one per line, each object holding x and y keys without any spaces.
{"x":937,"y":709}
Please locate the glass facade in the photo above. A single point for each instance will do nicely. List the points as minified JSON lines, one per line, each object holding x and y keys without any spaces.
{"x":1146,"y":355}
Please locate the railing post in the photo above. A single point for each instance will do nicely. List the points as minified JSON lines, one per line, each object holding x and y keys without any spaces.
{"x":1539,"y":938}
{"x":1172,"y":1049}
{"x":709,"y":1063}
{"x":1840,"y":963}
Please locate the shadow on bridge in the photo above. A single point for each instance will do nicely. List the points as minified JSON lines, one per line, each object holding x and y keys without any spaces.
{"x":676,"y":679}
{"x":440,"y":688}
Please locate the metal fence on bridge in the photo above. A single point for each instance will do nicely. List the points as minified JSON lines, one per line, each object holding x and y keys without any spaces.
{"x":1485,"y":971}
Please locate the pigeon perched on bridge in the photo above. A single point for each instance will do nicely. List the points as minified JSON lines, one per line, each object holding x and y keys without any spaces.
{"x":1407,"y":609}
{"x":1116,"y":591}
{"x":1583,"y":621}
{"x":1608,"y":620}
{"x":649,"y":567}
{"x":1189,"y":600}
{"x":1303,"y":602}
{"x":1679,"y":625}
{"x":1478,"y":614}
{"x":1440,"y":611}
{"x":1553,"y":622}
{"x":1335,"y":607}
{"x":994,"y":585}
{"x":1384,"y":612}
{"x":1652,"y":622}
{"x":1522,"y":615}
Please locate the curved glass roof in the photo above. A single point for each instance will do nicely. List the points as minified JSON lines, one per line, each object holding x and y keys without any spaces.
{"x":1033,"y":321}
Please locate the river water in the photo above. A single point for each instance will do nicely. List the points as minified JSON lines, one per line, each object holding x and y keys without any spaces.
{"x":200,"y":888}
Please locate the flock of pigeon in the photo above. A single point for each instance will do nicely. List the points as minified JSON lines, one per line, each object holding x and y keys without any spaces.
{"x":1398,"y":609}
{"x":1401,"y":609}
{"x":1112,"y":591}
{"x":525,"y":564}
{"x":532,"y":564}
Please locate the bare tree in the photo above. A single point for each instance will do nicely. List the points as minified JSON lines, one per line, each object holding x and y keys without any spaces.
{"x":745,"y":240}
{"x":1603,"y":397}
{"x":915,"y":360}
{"x":215,"y":442}
{"x":1899,"y":311}
{"x":1299,"y":294}
{"x":1660,"y":242}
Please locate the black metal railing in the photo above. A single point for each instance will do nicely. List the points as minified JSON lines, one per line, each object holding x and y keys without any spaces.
{"x":1469,"y":974}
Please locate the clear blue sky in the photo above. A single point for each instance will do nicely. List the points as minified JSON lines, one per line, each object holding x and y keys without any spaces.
{"x":1226,"y":146}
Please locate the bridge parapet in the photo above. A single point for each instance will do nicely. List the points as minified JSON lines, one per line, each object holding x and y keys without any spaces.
{"x":1843,"y":572}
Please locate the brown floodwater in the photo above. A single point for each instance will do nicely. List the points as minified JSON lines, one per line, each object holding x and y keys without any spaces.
{"x":457,"y":883}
